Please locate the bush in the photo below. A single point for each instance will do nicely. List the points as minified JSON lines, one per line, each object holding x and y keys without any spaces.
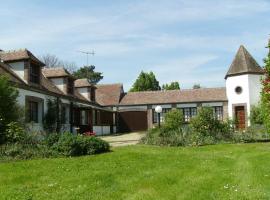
{"x":14,"y":133}
{"x":173,"y":120}
{"x":203,"y":129}
{"x":71,"y":145}
{"x":256,"y":115}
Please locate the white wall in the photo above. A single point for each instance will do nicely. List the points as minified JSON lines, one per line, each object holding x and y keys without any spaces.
{"x":84,"y":92}
{"x":59,"y":82}
{"x":102,"y":130}
{"x":233,"y":97}
{"x":251,"y":87}
{"x":255,"y":88}
{"x":18,"y":68}
{"x":38,"y":126}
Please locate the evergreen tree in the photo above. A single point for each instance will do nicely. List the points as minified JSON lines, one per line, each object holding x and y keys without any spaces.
{"x":10,"y":111}
{"x":89,"y":73}
{"x":145,"y":82}
{"x":196,"y":86}
{"x":171,"y":86}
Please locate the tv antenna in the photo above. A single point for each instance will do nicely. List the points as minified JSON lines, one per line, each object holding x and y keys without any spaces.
{"x":87,"y":54}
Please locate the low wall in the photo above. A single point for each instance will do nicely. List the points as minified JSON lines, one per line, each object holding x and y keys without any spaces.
{"x":102,"y":130}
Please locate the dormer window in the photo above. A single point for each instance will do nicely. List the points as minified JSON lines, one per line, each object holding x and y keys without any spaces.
{"x":34,"y":73}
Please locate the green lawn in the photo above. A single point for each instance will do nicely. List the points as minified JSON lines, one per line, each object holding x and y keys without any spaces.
{"x":240,"y":171}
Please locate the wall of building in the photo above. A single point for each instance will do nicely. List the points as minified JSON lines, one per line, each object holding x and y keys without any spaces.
{"x":255,"y":87}
{"x":251,"y":88}
{"x":84,"y":92}
{"x":18,"y":68}
{"x":60,"y":83}
{"x":234,"y":98}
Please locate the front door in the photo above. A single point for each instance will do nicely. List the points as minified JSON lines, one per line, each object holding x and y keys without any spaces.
{"x":240,"y":117}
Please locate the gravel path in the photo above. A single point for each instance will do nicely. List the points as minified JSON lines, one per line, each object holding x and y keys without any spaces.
{"x":124,"y":139}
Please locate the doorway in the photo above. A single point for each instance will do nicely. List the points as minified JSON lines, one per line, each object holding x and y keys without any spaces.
{"x":240,"y":116}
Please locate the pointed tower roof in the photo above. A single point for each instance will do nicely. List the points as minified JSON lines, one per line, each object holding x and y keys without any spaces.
{"x":244,"y":63}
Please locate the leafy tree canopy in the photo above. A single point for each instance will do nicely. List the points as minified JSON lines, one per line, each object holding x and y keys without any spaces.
{"x":171,"y":86}
{"x":145,"y":82}
{"x":197,"y":86}
{"x":9,"y":109}
{"x":265,"y":94}
{"x":89,"y":73}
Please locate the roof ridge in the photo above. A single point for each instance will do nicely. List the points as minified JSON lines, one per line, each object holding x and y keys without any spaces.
{"x":181,"y":90}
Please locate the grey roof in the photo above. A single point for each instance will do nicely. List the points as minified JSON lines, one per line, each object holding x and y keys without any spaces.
{"x":244,"y":63}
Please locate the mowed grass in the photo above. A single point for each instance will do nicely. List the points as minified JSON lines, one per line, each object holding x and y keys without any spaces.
{"x":229,"y":171}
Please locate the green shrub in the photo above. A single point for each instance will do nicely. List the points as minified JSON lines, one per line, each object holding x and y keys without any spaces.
{"x":205,"y":124}
{"x":173,"y":120}
{"x":51,"y":139}
{"x":72,"y":145}
{"x":14,"y":133}
{"x":256,"y":115}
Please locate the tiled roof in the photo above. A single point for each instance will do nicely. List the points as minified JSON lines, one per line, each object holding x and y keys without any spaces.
{"x":244,"y":63}
{"x":17,"y":55}
{"x":55,"y":72}
{"x":82,"y":83}
{"x":174,"y":96}
{"x":109,"y":94}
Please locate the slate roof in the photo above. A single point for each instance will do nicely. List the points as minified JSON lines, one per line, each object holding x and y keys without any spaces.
{"x":16,"y":55}
{"x":109,"y":94}
{"x":244,"y":63}
{"x":174,"y":96}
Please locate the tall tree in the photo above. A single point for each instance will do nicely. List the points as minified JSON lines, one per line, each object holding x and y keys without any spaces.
{"x":52,"y":61}
{"x":265,"y":94}
{"x":171,"y":86}
{"x":145,"y":82}
{"x":89,"y":73}
{"x":10,"y":111}
{"x":196,"y":86}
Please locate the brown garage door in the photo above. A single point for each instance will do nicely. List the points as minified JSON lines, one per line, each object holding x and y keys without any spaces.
{"x":130,"y":121}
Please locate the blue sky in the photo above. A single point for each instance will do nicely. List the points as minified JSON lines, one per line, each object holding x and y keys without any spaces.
{"x":190,"y":41}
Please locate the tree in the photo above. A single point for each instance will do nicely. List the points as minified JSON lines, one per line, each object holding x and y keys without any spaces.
{"x":10,"y":111}
{"x":145,"y":82}
{"x":52,"y":61}
{"x":196,"y":86}
{"x":265,"y":93}
{"x":171,"y":86}
{"x":89,"y":73}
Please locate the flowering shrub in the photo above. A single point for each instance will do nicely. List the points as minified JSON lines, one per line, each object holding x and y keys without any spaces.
{"x":89,"y":133}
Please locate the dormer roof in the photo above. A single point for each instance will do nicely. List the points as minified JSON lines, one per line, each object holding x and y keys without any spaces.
{"x":82,"y":83}
{"x":17,"y":55}
{"x":56,"y":72}
{"x":244,"y":63}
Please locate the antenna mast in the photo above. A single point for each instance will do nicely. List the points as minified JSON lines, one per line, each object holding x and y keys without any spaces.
{"x":87,"y":54}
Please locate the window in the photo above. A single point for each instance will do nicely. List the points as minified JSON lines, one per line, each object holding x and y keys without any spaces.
{"x":33,"y":111}
{"x":64,"y":115}
{"x":94,"y":117}
{"x":188,"y":113}
{"x":238,"y":90}
{"x":84,"y":117}
{"x":218,"y":112}
{"x":162,"y":115}
{"x":70,"y":85}
{"x":34,"y":73}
